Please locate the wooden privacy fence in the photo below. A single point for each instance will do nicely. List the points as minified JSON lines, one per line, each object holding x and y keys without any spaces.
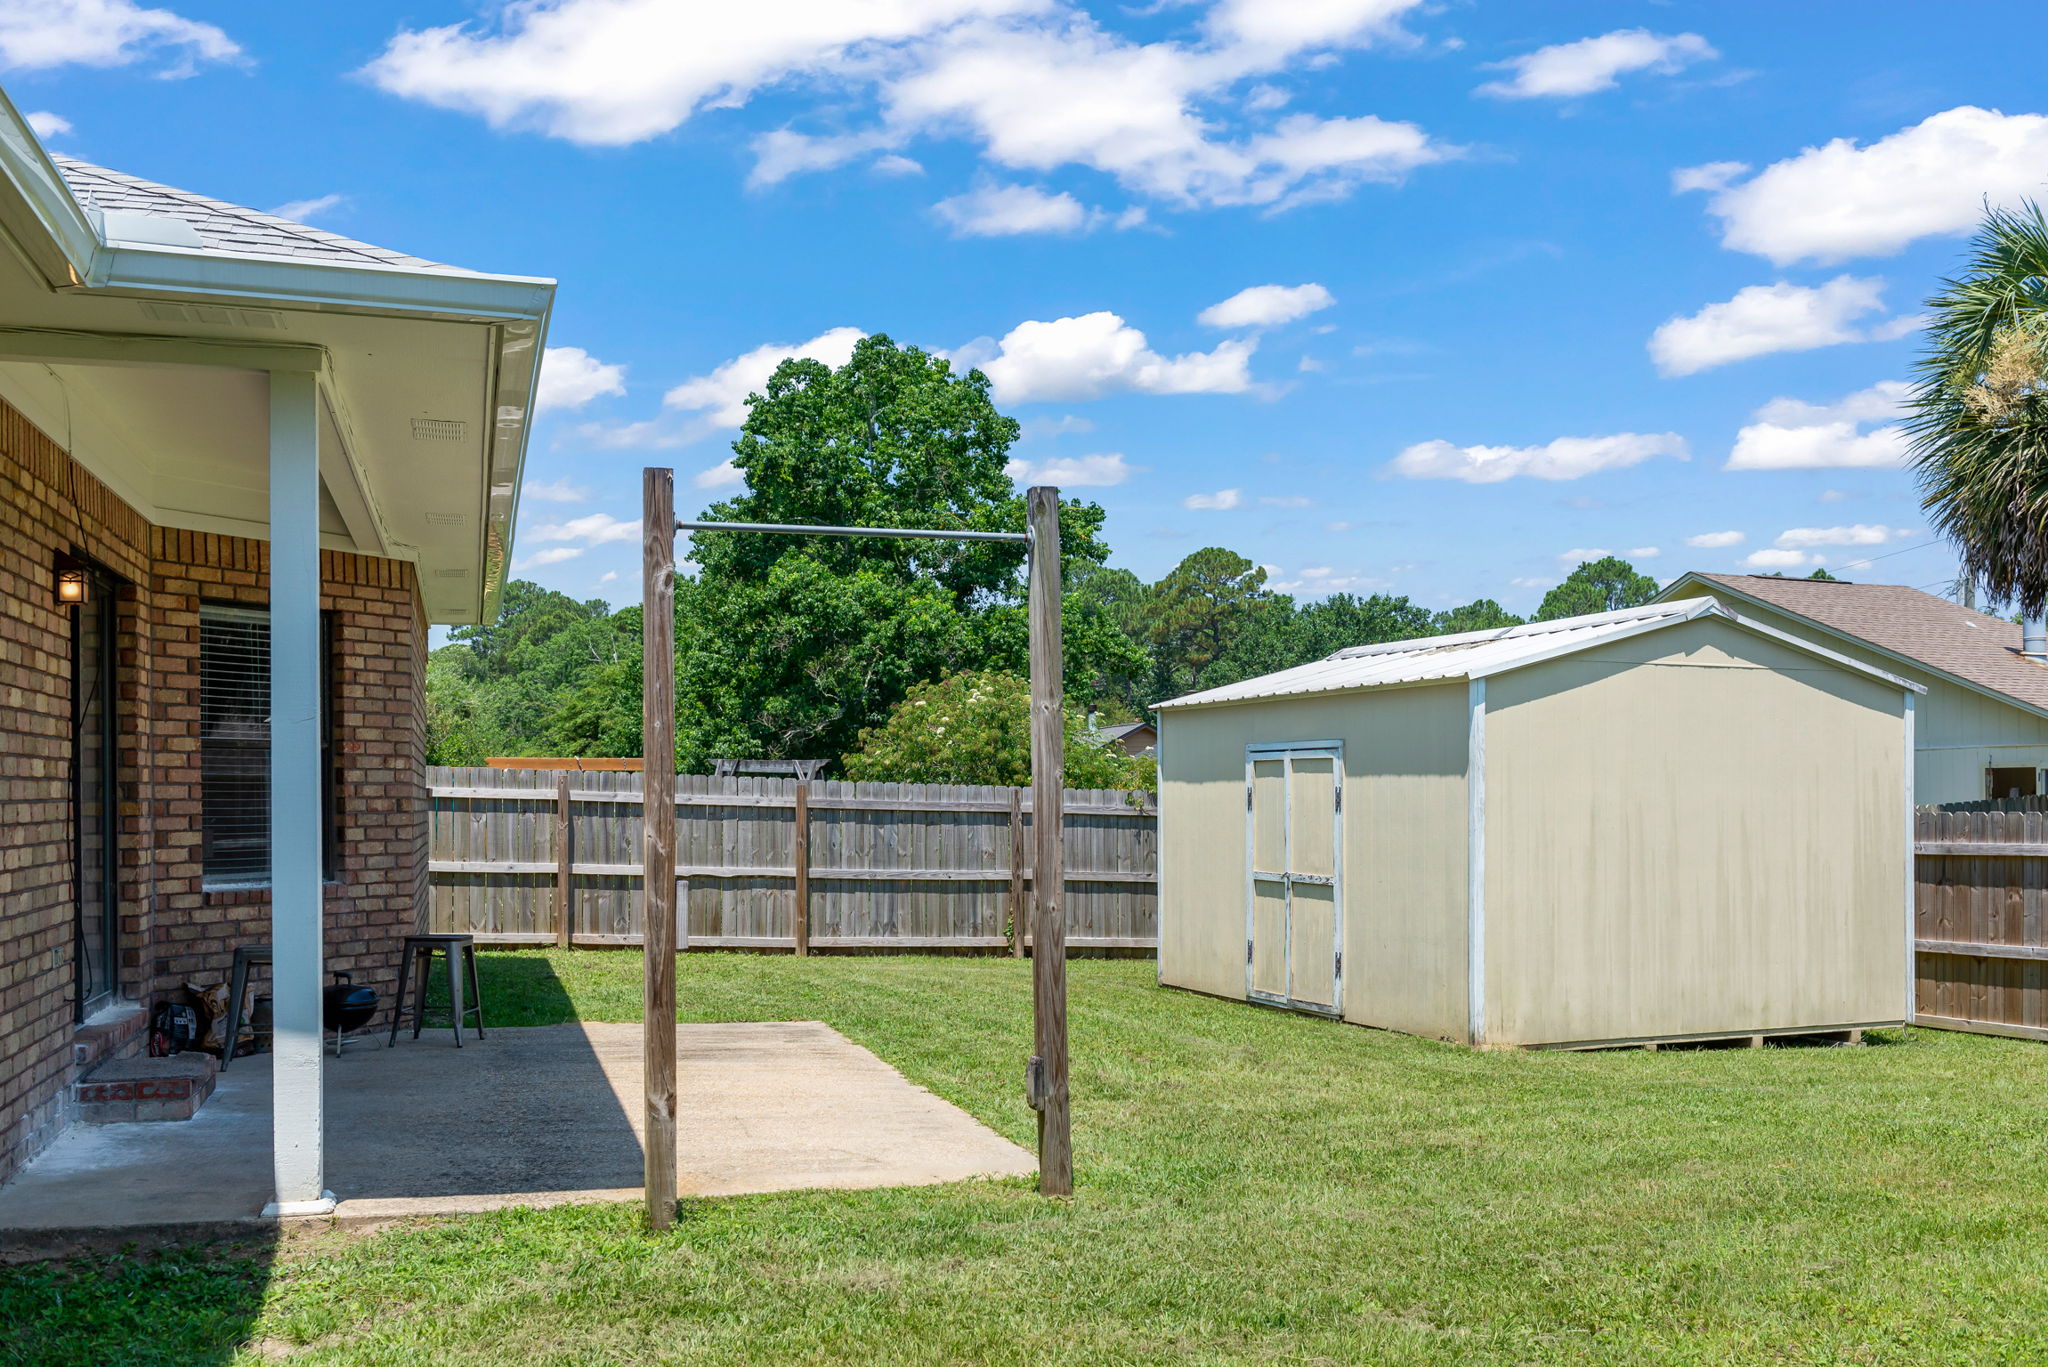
{"x":1980,"y":917}
{"x":870,"y":865}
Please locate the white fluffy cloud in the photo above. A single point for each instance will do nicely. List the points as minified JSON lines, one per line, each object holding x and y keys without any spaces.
{"x":46,"y":125}
{"x":1097,"y":354}
{"x":571,"y":377}
{"x":1011,"y":210}
{"x":1221,"y":500}
{"x":611,"y":72}
{"x":1714,"y":541}
{"x":595,"y":529}
{"x":1564,"y":458}
{"x":1861,"y":534}
{"x":1264,"y":306}
{"x":1791,"y":434}
{"x":1763,"y":319}
{"x":1591,"y":64}
{"x":1841,"y":200}
{"x":1037,"y":84}
{"x":1073,"y":472}
{"x":306,"y":210}
{"x":40,"y":34}
{"x":1297,"y":24}
{"x":1769,"y":559}
{"x":554,"y":491}
{"x":550,"y":555}
{"x":721,"y":396}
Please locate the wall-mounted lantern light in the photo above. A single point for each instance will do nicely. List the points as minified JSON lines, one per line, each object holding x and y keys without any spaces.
{"x":73,"y":586}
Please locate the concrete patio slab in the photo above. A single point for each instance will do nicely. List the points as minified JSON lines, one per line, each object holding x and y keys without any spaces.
{"x":534,"y":1116}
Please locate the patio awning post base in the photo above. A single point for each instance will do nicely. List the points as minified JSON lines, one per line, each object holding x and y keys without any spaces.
{"x":282,"y":1210}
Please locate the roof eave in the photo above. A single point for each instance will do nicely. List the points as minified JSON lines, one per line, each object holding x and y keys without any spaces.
{"x":61,"y":242}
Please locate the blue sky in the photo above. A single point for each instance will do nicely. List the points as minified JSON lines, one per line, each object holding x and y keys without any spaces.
{"x":1525,"y":281}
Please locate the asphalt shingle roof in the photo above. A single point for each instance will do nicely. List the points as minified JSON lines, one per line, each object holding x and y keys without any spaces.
{"x":224,"y":227}
{"x":1956,"y":640}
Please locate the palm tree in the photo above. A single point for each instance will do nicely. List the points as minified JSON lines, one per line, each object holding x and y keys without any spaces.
{"x":1979,"y":414}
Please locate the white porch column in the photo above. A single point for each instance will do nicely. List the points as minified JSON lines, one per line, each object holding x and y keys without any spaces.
{"x":296,"y":931}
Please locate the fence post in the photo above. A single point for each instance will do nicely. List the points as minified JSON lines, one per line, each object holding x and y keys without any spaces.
{"x":565,"y":866}
{"x":801,"y":856}
{"x":1020,"y":911}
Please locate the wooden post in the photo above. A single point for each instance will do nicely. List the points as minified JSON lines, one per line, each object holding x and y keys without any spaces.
{"x":801,"y":857}
{"x":1020,"y":910}
{"x":658,"y":848}
{"x":1048,"y":882}
{"x":565,"y":862}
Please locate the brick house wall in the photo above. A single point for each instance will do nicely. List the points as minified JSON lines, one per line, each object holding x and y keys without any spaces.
{"x":173,"y":929}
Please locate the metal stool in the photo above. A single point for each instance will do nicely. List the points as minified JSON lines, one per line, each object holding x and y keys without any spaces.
{"x":238,"y":984}
{"x":416,"y":967}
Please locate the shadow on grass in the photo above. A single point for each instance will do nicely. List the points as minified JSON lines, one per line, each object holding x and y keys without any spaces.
{"x":101,"y":1300}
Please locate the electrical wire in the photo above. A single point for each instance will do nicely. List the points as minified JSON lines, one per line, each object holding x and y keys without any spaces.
{"x":1855,"y":564}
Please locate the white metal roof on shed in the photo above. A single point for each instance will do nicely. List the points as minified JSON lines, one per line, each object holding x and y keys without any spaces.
{"x":1477,"y":654}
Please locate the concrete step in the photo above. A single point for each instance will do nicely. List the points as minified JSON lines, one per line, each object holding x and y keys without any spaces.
{"x":146,"y":1088}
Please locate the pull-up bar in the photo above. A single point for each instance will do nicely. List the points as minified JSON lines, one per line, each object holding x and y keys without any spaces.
{"x":806,"y":529}
{"x":1046,"y":1073}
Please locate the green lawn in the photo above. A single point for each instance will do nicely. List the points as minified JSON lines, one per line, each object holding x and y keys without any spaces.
{"x":1253,"y":1188}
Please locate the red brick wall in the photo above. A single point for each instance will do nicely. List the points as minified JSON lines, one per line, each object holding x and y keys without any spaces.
{"x":173,"y":929}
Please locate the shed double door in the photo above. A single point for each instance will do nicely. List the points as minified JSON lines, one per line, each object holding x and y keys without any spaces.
{"x":1294,"y":913}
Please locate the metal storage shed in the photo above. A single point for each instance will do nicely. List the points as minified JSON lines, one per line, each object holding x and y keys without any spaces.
{"x":1661,"y":823}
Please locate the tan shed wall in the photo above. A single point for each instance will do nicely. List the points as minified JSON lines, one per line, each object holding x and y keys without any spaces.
{"x":1695,"y":831}
{"x":1404,"y":847}
{"x":1960,"y":732}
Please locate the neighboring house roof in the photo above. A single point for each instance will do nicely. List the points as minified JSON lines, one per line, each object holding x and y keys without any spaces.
{"x":1478,"y":654}
{"x":1975,"y":649}
{"x":220,"y":226}
{"x":1122,"y":729}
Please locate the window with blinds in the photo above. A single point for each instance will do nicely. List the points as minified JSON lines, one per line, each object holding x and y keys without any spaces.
{"x":234,"y":743}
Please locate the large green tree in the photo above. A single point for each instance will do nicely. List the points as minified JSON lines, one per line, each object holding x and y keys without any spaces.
{"x":1597,"y":586}
{"x":1979,"y":417}
{"x":791,"y":646}
{"x":1196,"y":613}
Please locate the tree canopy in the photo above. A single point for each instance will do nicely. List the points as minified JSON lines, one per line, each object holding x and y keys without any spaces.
{"x":976,"y":728}
{"x":1597,"y":586}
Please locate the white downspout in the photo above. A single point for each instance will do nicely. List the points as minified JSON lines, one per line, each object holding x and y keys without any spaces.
{"x":296,"y":931}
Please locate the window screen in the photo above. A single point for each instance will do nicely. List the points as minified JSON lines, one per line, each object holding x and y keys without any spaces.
{"x":234,"y":744}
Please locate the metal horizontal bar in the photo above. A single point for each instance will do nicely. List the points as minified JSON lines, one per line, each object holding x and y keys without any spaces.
{"x":805,"y":529}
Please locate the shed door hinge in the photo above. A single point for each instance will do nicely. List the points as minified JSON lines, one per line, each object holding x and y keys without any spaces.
{"x":1247,"y":797}
{"x":1340,"y":797}
{"x":1247,"y":952}
{"x":1340,"y":963}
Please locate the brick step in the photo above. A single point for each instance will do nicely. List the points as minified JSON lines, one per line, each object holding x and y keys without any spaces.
{"x":145,"y":1088}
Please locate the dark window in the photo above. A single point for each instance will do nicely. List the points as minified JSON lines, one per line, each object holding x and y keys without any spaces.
{"x":2011,"y":783}
{"x":234,"y":744}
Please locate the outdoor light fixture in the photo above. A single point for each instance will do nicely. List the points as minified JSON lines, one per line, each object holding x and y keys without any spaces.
{"x":72,"y":586}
